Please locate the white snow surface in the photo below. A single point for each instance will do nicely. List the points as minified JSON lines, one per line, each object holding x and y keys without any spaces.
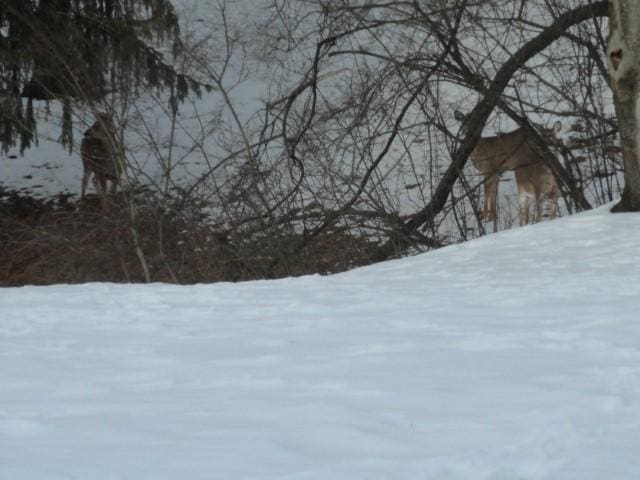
{"x":515,"y":356}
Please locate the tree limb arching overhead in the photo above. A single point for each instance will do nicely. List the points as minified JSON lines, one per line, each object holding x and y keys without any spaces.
{"x":478,"y":117}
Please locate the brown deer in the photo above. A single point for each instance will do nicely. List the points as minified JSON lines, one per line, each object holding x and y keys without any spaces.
{"x":517,"y":150}
{"x":102,"y":156}
{"x":536,"y":182}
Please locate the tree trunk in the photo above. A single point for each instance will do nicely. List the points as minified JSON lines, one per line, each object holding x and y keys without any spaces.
{"x":623,"y":56}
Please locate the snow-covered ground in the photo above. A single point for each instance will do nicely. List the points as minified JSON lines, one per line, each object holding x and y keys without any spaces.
{"x":516,"y":356}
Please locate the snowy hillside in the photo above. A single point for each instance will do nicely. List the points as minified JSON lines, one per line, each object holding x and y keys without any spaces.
{"x":516,"y":356}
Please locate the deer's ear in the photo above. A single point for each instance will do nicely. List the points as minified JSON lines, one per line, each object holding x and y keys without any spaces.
{"x":557,"y":127}
{"x":458,"y":115}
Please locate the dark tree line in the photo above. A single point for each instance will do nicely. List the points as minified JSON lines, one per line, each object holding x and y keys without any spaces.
{"x":80,"y":50}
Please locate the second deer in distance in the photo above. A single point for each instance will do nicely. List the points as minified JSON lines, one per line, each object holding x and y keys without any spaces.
{"x":102,"y":156}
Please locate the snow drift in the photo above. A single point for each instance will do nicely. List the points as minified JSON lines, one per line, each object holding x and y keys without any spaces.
{"x":515,"y":356}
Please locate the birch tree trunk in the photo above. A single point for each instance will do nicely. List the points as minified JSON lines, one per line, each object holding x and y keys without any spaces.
{"x":623,"y":56}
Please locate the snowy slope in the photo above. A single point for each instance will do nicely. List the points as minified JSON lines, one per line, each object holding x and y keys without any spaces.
{"x":516,"y":356}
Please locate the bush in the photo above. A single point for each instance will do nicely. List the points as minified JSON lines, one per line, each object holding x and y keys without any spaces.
{"x":59,"y":241}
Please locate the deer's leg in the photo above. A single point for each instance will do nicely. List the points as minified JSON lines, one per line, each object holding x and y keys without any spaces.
{"x":524,"y":201}
{"x":100,"y":183}
{"x":540,"y":199}
{"x":553,"y":209}
{"x":553,"y":203}
{"x":85,"y":181}
{"x":491,"y":196}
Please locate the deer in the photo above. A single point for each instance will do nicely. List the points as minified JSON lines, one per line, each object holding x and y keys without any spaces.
{"x":536,"y":182}
{"x":102,"y":156}
{"x":517,"y":150}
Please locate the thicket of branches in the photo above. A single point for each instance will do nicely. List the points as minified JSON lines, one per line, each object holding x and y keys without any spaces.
{"x":356,"y":155}
{"x":405,"y":67}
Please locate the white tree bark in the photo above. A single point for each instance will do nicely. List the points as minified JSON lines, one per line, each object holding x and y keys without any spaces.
{"x":623,"y":56}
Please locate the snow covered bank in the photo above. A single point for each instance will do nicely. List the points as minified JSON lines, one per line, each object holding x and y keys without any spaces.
{"x":516,"y":356}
